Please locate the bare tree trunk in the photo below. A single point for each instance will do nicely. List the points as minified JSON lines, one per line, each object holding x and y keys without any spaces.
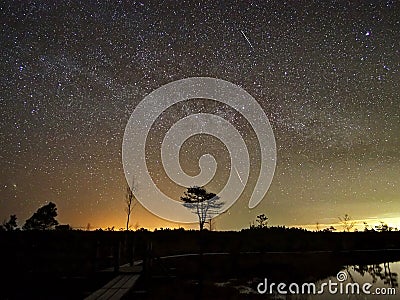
{"x":129,"y":200}
{"x":127,"y":221}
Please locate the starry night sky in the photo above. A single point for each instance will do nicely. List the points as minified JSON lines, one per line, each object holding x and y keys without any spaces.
{"x":325,"y":72}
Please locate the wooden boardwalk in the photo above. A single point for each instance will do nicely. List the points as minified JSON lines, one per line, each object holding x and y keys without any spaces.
{"x":119,"y":286}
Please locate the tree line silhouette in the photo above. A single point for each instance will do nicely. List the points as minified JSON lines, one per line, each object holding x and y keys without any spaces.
{"x":201,"y":202}
{"x":43,"y":219}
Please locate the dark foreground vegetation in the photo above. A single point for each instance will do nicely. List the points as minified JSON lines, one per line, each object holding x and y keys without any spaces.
{"x":68,"y":264}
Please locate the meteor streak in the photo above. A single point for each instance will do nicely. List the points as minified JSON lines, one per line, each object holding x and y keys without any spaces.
{"x":244,"y":35}
{"x":240,"y":178}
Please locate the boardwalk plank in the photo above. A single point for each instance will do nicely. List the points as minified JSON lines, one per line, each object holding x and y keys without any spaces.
{"x":116,"y":288}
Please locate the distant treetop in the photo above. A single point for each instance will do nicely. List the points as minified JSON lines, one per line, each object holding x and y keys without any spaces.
{"x":43,"y":218}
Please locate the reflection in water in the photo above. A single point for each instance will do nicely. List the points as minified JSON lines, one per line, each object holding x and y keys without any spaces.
{"x":378,"y":272}
{"x":382,"y":278}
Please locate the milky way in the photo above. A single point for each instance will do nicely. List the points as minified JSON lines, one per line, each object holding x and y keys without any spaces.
{"x":326,"y":74}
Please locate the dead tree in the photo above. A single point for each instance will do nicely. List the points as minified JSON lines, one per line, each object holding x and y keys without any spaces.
{"x":130,"y":203}
{"x":347,"y":223}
